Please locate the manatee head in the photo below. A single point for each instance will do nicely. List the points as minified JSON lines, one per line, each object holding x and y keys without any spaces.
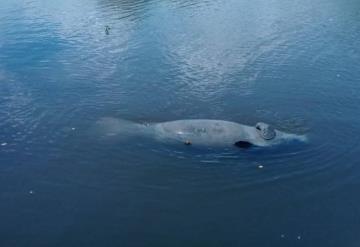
{"x":266,"y":135}
{"x":265,"y":131}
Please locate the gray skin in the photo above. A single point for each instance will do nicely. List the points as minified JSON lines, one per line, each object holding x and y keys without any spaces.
{"x":199,"y":132}
{"x":205,"y":132}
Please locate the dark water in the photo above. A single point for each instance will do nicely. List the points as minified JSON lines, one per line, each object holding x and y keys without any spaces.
{"x":294,"y":64}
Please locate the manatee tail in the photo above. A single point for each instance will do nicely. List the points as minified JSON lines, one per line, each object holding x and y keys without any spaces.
{"x":113,"y":127}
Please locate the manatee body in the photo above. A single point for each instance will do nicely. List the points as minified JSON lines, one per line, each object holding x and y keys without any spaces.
{"x":202,"y":132}
{"x":206,"y":132}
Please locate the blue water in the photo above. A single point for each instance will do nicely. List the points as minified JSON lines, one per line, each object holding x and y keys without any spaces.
{"x":293,"y":64}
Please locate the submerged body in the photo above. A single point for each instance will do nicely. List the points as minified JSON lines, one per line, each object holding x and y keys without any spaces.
{"x":201,"y":132}
{"x":206,"y":132}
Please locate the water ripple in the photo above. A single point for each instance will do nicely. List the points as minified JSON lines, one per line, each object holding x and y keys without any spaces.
{"x":289,"y":63}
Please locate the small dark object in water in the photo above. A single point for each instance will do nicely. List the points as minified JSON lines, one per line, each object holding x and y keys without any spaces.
{"x":107,"y":29}
{"x":243,"y":144}
{"x":187,"y":142}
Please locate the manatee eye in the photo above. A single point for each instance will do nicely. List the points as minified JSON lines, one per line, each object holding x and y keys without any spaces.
{"x":258,"y":127}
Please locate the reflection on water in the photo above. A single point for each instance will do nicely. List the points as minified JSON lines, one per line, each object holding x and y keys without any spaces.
{"x":293,"y":64}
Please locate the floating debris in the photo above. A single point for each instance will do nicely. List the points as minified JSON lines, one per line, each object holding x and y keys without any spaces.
{"x":31,"y":192}
{"x":299,"y":237}
{"x":3,"y":144}
{"x":187,"y":142}
{"x":107,"y":30}
{"x":260,"y":166}
{"x":73,"y":128}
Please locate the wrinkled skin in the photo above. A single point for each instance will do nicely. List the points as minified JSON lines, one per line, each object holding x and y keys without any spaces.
{"x":197,"y":132}
{"x":204,"y":132}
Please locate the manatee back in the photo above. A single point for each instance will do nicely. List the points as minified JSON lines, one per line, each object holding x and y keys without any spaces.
{"x":201,"y":132}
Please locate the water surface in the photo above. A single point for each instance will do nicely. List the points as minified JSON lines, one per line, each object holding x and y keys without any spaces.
{"x":293,"y":64}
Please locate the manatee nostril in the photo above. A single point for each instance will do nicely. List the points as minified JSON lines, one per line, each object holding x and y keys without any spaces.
{"x":243,"y":144}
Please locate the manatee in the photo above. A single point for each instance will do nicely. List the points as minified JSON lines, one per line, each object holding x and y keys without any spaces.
{"x":200,"y":132}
